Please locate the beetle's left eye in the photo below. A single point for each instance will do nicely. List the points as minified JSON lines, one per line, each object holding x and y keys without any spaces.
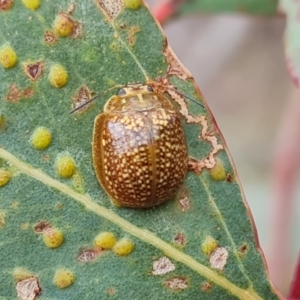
{"x":149,"y":88}
{"x":121,"y":92}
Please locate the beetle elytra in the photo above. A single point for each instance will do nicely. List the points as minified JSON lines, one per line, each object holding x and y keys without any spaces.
{"x":140,"y":154}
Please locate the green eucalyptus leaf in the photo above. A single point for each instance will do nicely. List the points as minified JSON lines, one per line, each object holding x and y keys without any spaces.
{"x":202,"y":245}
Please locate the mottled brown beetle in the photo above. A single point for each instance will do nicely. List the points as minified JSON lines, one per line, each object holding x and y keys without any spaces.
{"x":140,"y":154}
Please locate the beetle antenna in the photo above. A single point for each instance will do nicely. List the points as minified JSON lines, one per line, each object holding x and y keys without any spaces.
{"x":94,"y":98}
{"x":187,"y":97}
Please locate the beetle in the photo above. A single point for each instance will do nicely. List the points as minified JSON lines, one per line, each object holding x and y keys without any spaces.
{"x":139,"y":150}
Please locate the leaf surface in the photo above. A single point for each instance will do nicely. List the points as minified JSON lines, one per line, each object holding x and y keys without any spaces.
{"x":173,"y":243}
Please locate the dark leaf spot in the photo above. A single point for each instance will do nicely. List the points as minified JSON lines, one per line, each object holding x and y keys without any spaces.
{"x":206,"y":286}
{"x":34,"y":70}
{"x":50,"y":37}
{"x":42,"y":227}
{"x":88,"y":255}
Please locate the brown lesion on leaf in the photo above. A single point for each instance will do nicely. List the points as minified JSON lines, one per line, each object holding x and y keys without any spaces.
{"x":42,"y":226}
{"x":46,"y":157}
{"x":162,"y":266}
{"x":131,"y":33}
{"x":174,"y":65}
{"x":177,"y":283}
{"x":111,"y":291}
{"x":6,"y":4}
{"x":180,"y":239}
{"x":77,"y":31}
{"x":218,"y":258}
{"x":15,"y":93}
{"x":49,"y":37}
{"x":123,"y":26}
{"x":34,"y":70}
{"x":229,"y":177}
{"x":243,"y":250}
{"x":28,"y":92}
{"x":111,"y":9}
{"x":206,"y":286}
{"x":82,"y":96}
{"x":28,"y":289}
{"x":88,"y":255}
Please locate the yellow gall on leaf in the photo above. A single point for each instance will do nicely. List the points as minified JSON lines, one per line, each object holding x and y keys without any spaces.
{"x":58,"y":76}
{"x":105,"y":240}
{"x":65,"y":166}
{"x":41,"y":138}
{"x":4,"y":177}
{"x":8,"y":57}
{"x":32,"y":4}
{"x":63,"y":25}
{"x":123,"y":247}
{"x":53,"y":238}
{"x":209,"y":245}
{"x":63,"y":278}
{"x":133,"y":4}
{"x":20,"y":274}
{"x":217,"y":173}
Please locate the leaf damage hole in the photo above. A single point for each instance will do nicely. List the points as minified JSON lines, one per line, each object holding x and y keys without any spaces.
{"x":177,"y":283}
{"x":162,"y":266}
{"x":28,"y":289}
{"x":88,"y":255}
{"x":82,"y":96}
{"x":49,"y":37}
{"x":6,"y":4}
{"x":111,"y":9}
{"x":34,"y":70}
{"x":218,"y":258}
